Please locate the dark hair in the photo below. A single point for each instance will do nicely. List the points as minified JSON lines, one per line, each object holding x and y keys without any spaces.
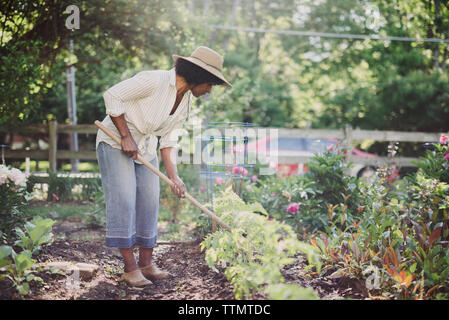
{"x":194,"y":74}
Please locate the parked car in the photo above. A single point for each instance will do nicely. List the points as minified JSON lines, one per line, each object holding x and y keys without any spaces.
{"x":306,"y":147}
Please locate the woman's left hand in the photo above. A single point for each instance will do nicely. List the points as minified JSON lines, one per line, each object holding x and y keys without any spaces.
{"x":178,"y":187}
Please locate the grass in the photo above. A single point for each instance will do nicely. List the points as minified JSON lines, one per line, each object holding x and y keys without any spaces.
{"x":59,"y":211}
{"x":45,"y":165}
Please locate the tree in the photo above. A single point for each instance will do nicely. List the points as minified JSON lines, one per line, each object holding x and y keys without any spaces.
{"x":114,"y":36}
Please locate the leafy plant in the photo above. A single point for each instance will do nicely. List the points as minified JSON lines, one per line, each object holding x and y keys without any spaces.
{"x":13,"y":199}
{"x":256,"y":249}
{"x":19,"y":273}
{"x":435,"y":163}
{"x":97,"y":218}
{"x":64,"y":188}
{"x":282,"y":291}
{"x":36,"y":233}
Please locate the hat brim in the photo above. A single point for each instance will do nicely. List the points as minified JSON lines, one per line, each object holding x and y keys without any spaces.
{"x":206,"y":67}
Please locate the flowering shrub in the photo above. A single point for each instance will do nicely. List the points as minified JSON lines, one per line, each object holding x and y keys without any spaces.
{"x":323,"y":195}
{"x":13,"y":198}
{"x":401,"y":238}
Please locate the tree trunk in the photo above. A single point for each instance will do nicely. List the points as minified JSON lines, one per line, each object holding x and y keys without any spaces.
{"x":436,"y":53}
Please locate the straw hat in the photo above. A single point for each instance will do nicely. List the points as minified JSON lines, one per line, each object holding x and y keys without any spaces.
{"x":207,"y":59}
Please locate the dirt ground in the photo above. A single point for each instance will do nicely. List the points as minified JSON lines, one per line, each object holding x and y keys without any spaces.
{"x":191,"y":277}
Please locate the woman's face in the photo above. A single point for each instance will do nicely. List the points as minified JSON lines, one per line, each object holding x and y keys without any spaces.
{"x":201,"y":89}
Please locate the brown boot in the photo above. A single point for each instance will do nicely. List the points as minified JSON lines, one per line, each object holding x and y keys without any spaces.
{"x":152,"y":272}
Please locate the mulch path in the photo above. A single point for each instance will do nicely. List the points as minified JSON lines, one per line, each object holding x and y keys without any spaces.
{"x":191,"y":278}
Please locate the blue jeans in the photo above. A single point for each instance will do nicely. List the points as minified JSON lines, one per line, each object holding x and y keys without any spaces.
{"x":131,"y":193}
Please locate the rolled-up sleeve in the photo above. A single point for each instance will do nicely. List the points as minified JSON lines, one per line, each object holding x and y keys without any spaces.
{"x":170,"y":139}
{"x":140,"y":86}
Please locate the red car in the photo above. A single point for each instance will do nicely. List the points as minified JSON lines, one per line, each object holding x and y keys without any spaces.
{"x":305,"y":147}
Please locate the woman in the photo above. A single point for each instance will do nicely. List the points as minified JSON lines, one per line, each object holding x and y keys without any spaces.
{"x":150,"y":104}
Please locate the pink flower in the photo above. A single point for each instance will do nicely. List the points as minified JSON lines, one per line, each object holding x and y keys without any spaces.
{"x":443,"y":139}
{"x":239,"y":170}
{"x":202,"y":188}
{"x":345,"y":152}
{"x":219,"y":181}
{"x":446,"y":157}
{"x":329,"y":149}
{"x":254,"y":179}
{"x":293,"y":208}
{"x":270,"y":219}
{"x":55,"y":197}
{"x":248,"y":187}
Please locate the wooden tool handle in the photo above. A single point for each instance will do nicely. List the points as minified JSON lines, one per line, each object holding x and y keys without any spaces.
{"x":166,"y":179}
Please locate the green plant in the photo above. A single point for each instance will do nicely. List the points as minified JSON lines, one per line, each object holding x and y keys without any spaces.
{"x":97,"y":217}
{"x":20,"y":272}
{"x":13,"y":199}
{"x":326,"y":185}
{"x":282,"y":291}
{"x":5,"y":252}
{"x":64,"y":188}
{"x":256,"y":249}
{"x":435,"y":163}
{"x":36,"y":233}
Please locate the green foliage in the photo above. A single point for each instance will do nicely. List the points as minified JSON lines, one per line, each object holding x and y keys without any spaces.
{"x":36,"y":233}
{"x":329,"y":172}
{"x":13,"y":199}
{"x":113,"y":38}
{"x":5,"y":252}
{"x":11,"y":207}
{"x":282,"y":291}
{"x":256,"y":249}
{"x":433,"y":164}
{"x":97,"y":217}
{"x":402,"y":234}
{"x":325,"y":194}
{"x":64,"y":188}
{"x":17,"y":267}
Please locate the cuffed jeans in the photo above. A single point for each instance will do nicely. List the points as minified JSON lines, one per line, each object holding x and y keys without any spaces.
{"x":131,"y":193}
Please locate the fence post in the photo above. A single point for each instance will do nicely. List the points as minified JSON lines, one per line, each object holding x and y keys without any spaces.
{"x":348,"y":138}
{"x":52,"y":144}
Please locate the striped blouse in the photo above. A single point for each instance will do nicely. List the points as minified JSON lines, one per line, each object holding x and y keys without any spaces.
{"x":146,"y":100}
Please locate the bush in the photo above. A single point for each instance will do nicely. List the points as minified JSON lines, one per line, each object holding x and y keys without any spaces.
{"x":64,"y":188}
{"x":435,"y":163}
{"x":17,"y":267}
{"x":402,"y":235}
{"x":256,"y":250}
{"x":309,"y":203}
{"x":14,"y":199}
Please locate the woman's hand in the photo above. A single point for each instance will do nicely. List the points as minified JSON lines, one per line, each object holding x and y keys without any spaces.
{"x":129,"y":147}
{"x":178,"y":187}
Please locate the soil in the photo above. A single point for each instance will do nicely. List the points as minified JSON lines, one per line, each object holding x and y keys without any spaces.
{"x":191,"y":278}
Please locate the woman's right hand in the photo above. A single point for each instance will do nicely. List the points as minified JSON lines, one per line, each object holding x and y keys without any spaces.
{"x":129,"y":147}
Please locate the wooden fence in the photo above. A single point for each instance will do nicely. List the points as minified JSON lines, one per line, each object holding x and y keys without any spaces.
{"x":53,"y":129}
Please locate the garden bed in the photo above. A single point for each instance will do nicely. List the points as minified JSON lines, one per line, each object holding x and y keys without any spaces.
{"x":191,"y":277}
